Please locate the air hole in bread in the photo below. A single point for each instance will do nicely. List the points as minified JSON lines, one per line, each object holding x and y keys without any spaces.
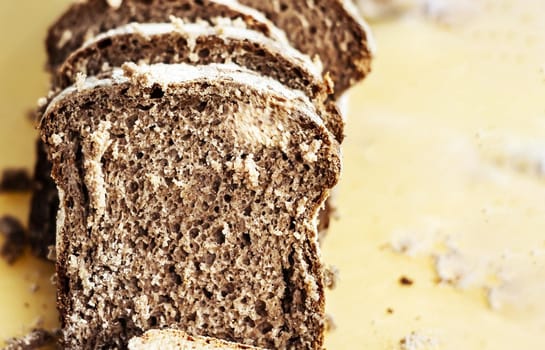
{"x":157,"y":92}
{"x":204,"y":53}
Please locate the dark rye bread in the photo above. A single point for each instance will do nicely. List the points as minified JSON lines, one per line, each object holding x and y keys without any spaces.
{"x":190,"y":203}
{"x":217,"y":44}
{"x":200,"y":43}
{"x":86,"y":19}
{"x":170,"y":339}
{"x":331,"y":29}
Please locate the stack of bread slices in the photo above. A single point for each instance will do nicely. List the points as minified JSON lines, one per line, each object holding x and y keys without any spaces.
{"x":188,"y":147}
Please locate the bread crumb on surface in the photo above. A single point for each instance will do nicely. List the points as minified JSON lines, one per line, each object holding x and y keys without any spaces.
{"x":411,"y":243}
{"x":405,"y":281}
{"x":15,"y":239}
{"x":42,"y":102}
{"x":36,"y":339}
{"x":330,"y":324}
{"x":331,"y":277}
{"x":419,"y":341}
{"x":138,"y":75}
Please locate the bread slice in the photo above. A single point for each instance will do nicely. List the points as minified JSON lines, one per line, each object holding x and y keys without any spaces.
{"x":196,"y":43}
{"x":201,"y":43}
{"x":189,"y":199}
{"x":226,"y":41}
{"x":169,"y":339}
{"x":331,"y":29}
{"x":86,"y":19}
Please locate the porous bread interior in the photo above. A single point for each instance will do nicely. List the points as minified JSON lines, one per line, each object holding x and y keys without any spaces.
{"x":170,"y":339}
{"x":326,"y":28}
{"x":84,"y":20}
{"x":208,"y":218}
{"x":255,"y":52}
{"x":167,"y":74}
{"x":223,"y":27}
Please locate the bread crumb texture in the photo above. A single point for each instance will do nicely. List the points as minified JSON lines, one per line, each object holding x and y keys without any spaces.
{"x":182,"y":208}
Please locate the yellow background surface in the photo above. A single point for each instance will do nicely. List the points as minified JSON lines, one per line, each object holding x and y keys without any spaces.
{"x":444,"y":161}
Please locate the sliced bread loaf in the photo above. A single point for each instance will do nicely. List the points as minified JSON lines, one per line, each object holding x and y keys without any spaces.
{"x":197,"y":43}
{"x":189,"y":199}
{"x":331,"y":29}
{"x":178,"y":42}
{"x":86,"y":19}
{"x":201,"y":43}
{"x":169,"y":339}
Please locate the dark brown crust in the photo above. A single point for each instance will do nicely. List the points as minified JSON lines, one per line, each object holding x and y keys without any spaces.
{"x":44,"y":206}
{"x":333,"y":34}
{"x":97,"y":16}
{"x":80,"y":208}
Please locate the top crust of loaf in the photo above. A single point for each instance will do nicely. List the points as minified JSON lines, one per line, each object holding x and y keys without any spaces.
{"x":170,"y":339}
{"x":84,"y":20}
{"x":330,"y":29}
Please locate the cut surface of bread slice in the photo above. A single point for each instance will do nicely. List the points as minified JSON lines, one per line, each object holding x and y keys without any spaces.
{"x":201,"y":43}
{"x":197,"y":43}
{"x":84,"y":20}
{"x":176,"y":42}
{"x":331,"y":29}
{"x":189,"y":199}
{"x":170,"y":339}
